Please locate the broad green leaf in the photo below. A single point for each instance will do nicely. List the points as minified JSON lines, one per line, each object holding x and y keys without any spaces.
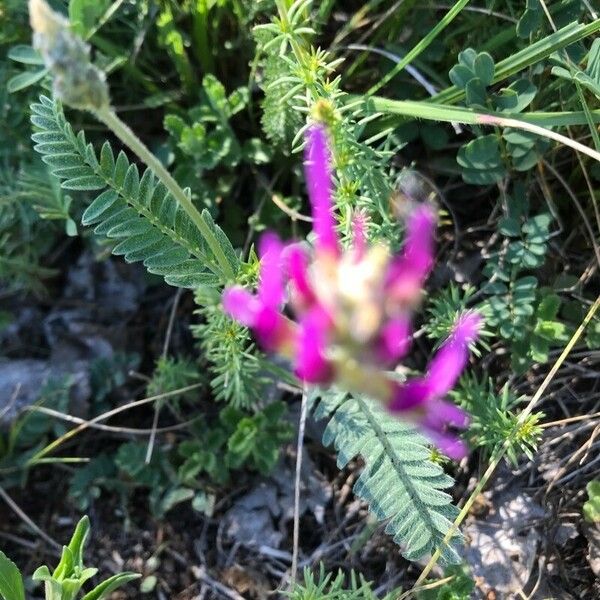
{"x":476,"y":94}
{"x":107,"y":587}
{"x":26,"y":55}
{"x":531,"y":20}
{"x":24,"y":80}
{"x":483,"y":67}
{"x":84,"y":14}
{"x":79,"y":540}
{"x":481,"y":160}
{"x":509,"y":226}
{"x":517,"y":96}
{"x":11,"y":582}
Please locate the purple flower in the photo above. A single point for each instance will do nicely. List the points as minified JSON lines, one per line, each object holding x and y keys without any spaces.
{"x":317,"y":165}
{"x":352,"y":309}
{"x":424,"y":396}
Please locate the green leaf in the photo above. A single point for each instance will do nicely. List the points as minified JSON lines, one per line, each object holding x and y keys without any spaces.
{"x":399,"y":481}
{"x":79,"y":540}
{"x":84,"y":183}
{"x":536,"y":228}
{"x":174,"y":497}
{"x":510,"y":227}
{"x":147,"y":221}
{"x":26,"y":55}
{"x":66,"y":565}
{"x":53,"y":586}
{"x":531,"y":19}
{"x":204,"y":503}
{"x":517,"y":96}
{"x":483,"y":67}
{"x":148,"y":584}
{"x":107,"y":587}
{"x":24,"y":80}
{"x":548,"y":307}
{"x":84,"y":14}
{"x":593,"y":61}
{"x":476,"y":94}
{"x":481,"y":161}
{"x":553,"y":331}
{"x":93,"y":213}
{"x":11,"y":582}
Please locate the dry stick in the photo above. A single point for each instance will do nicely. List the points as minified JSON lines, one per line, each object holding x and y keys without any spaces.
{"x":135,"y":403}
{"x":110,"y":428}
{"x":577,"y":204}
{"x":570,"y":420}
{"x":290,"y":212}
{"x":499,"y":455}
{"x":165,"y":351}
{"x":17,"y":509}
{"x":484,"y":119}
{"x":12,"y":400}
{"x":299,"y":448}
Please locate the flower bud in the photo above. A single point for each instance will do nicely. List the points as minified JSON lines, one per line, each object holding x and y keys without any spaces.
{"x":77,"y":82}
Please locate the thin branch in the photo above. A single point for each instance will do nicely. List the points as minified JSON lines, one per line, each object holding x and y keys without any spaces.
{"x":299,"y":449}
{"x":19,"y":512}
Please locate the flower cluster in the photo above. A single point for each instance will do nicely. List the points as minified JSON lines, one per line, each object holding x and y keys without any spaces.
{"x":352,"y":309}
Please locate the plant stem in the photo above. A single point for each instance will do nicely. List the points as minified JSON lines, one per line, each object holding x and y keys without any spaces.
{"x":548,"y":133}
{"x":201,"y":37}
{"x":456,"y":114}
{"x":128,"y":137}
{"x":299,"y":449}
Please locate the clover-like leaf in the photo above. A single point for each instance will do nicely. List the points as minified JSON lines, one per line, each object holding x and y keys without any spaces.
{"x":481,"y":161}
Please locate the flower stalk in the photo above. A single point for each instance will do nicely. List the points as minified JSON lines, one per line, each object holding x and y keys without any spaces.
{"x":80,"y":84}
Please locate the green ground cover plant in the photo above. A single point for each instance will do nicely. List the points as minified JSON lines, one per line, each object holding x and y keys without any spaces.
{"x":168,"y":136}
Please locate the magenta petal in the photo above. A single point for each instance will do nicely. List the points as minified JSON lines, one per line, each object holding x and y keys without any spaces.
{"x":271,"y":328}
{"x":241,"y":305}
{"x":467,"y":327}
{"x":317,"y":168}
{"x":311,"y":364}
{"x":410,"y":395}
{"x":451,"y":359}
{"x":441,"y":414}
{"x":446,"y":366}
{"x":270,"y":285}
{"x":297,"y":263}
{"x":408,"y":272}
{"x":394,"y":340}
{"x":448,"y":444}
{"x":419,"y":244}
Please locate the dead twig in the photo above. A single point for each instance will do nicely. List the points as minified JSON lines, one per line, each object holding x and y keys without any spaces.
{"x":299,"y":449}
{"x":19,"y":512}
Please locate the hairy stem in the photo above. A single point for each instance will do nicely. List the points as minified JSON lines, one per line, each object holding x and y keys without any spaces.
{"x":299,"y":448}
{"x":128,"y":137}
